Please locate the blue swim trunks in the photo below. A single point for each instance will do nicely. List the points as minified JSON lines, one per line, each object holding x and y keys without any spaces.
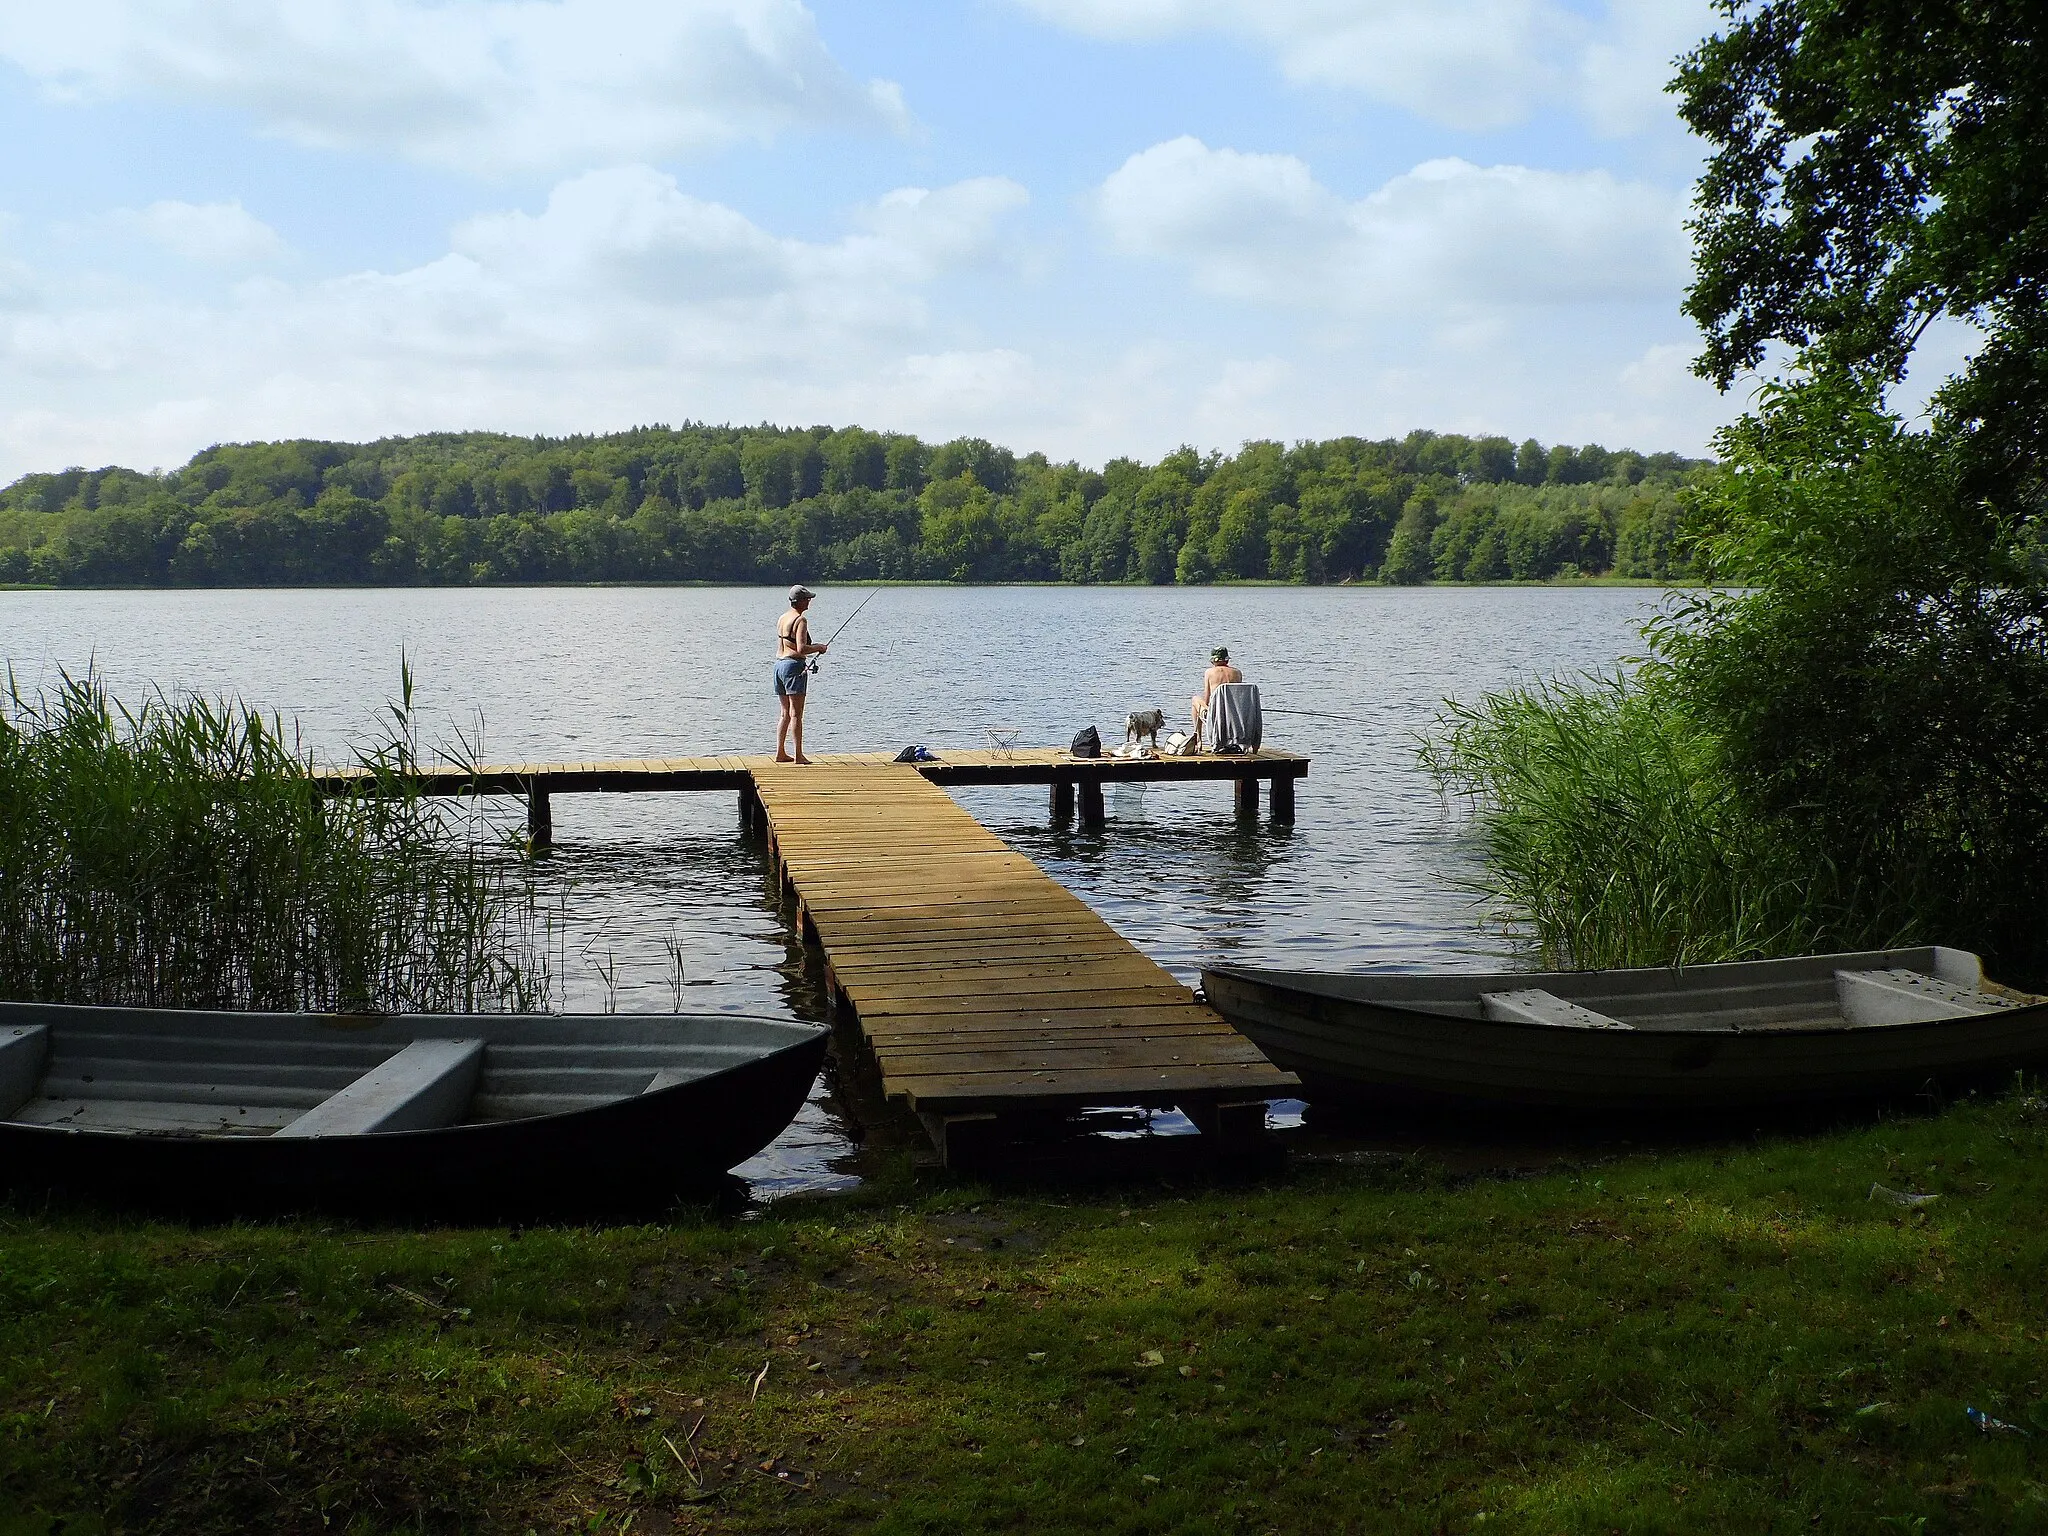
{"x":790,"y":677}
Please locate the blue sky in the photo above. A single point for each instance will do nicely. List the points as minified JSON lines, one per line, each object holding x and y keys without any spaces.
{"x":1094,"y":227}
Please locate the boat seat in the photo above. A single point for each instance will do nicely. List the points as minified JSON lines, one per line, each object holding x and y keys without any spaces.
{"x":1869,"y":998}
{"x":23,"y":1049}
{"x":1535,"y":1006}
{"x":422,"y":1088}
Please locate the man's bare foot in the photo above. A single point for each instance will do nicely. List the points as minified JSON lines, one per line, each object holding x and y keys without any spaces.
{"x":784,"y":757}
{"x":805,"y":761}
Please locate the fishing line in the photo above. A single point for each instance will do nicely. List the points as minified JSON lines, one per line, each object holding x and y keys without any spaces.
{"x":1315,"y":714}
{"x":813,"y":668}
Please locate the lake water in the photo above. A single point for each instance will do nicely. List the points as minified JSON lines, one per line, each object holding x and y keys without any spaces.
{"x":1371,"y":875}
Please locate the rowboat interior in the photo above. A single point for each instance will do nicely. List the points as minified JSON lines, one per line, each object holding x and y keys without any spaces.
{"x":1826,"y":992}
{"x":152,"y":1073}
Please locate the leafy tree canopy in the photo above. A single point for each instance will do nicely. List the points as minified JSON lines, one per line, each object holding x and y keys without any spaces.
{"x":1877,"y":165}
{"x":703,"y":503}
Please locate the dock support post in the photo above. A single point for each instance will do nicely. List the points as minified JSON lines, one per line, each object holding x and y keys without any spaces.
{"x":540,"y":818}
{"x":1247,"y":797}
{"x":959,"y":1138}
{"x":1236,"y":1125}
{"x":1062,"y":801}
{"x":1093,"y":813}
{"x":1283,"y":800}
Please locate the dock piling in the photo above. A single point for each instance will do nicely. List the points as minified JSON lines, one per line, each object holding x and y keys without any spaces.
{"x":1248,"y":797}
{"x":1062,"y":801}
{"x":1282,"y":792}
{"x":540,"y":818}
{"x":1093,"y":814}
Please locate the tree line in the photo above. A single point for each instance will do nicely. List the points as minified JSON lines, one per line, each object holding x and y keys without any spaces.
{"x":769,"y":504}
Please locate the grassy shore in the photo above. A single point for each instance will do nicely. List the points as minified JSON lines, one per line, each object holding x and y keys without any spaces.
{"x":1735,"y":1338}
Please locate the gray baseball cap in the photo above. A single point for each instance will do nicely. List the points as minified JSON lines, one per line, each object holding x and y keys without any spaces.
{"x":800,"y":590}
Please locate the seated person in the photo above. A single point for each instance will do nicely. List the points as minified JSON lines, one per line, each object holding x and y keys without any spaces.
{"x":1220,"y":672}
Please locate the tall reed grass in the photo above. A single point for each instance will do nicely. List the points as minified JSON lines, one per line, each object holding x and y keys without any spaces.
{"x":1614,"y":836}
{"x":180,"y":854}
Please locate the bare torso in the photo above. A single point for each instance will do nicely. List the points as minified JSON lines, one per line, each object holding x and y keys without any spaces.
{"x":1216,"y":676}
{"x":792,"y":635}
{"x":1219,"y":673}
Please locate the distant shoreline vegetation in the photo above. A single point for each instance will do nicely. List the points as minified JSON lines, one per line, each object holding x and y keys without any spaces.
{"x":768,"y":504}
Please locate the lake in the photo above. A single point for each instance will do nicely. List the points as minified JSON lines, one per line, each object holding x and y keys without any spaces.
{"x":1373,"y":874}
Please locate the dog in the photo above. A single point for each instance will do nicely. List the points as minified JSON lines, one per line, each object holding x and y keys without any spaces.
{"x":1144,"y":722}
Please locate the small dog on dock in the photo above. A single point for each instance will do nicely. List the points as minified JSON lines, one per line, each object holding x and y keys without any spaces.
{"x":1144,"y":722}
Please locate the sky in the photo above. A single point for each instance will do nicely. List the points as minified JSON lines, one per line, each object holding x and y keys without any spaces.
{"x":1088,"y":227}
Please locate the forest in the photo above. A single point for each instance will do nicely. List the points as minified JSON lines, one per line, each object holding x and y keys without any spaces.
{"x":769,"y":504}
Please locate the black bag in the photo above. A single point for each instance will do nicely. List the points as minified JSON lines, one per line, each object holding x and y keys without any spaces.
{"x":1087,"y":743}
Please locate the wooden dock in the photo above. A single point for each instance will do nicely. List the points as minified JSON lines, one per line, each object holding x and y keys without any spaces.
{"x":1076,"y":783}
{"x":988,"y":992}
{"x":992,"y":997}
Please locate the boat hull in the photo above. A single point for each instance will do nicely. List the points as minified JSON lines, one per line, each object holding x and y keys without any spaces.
{"x":1387,"y":1041}
{"x":671,"y":1139}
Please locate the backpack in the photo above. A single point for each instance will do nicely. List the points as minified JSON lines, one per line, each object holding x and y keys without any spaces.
{"x":1087,"y":743}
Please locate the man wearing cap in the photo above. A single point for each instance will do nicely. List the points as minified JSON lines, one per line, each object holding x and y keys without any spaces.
{"x":793,"y":650}
{"x":1220,"y":672}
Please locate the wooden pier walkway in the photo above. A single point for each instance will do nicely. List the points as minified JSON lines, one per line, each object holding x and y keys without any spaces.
{"x":988,"y":992}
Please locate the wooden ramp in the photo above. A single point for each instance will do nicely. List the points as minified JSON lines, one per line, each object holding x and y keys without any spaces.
{"x":987,"y":990}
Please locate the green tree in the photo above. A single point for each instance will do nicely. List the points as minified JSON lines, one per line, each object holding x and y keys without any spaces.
{"x":1408,"y":556}
{"x":1877,"y":166}
{"x":770,"y":465}
{"x":963,"y":538}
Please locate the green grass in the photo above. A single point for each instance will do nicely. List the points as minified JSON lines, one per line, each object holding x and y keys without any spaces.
{"x":1732,"y":1339}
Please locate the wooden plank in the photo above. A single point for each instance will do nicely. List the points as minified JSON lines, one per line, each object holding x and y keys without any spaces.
{"x":967,"y":952}
{"x":1011,"y":1059}
{"x":850,"y":971}
{"x":930,"y":1035}
{"x":1000,"y":910}
{"x":881,"y":1011}
{"x":1001,"y":1017}
{"x":941,"y":1092}
{"x":1051,"y":1002}
{"x":1109,"y":971}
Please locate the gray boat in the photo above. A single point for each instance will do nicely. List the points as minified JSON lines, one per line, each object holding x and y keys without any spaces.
{"x":1706,"y":1037}
{"x":385,"y":1111}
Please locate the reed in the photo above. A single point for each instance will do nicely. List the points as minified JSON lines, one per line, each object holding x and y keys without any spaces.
{"x":1614,"y":836}
{"x":179,"y":855}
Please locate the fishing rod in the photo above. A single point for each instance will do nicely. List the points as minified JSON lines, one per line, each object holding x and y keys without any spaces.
{"x":813,"y":667}
{"x":1315,"y":714}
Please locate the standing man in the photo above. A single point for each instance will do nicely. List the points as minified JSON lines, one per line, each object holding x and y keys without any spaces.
{"x":1220,"y":672}
{"x":793,"y":651}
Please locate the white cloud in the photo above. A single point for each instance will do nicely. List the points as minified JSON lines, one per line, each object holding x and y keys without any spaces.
{"x":1455,"y":297}
{"x":213,"y":234}
{"x":1444,"y":239}
{"x":623,"y":299}
{"x":1471,"y":64}
{"x":483,"y":86}
{"x":1624,"y":67}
